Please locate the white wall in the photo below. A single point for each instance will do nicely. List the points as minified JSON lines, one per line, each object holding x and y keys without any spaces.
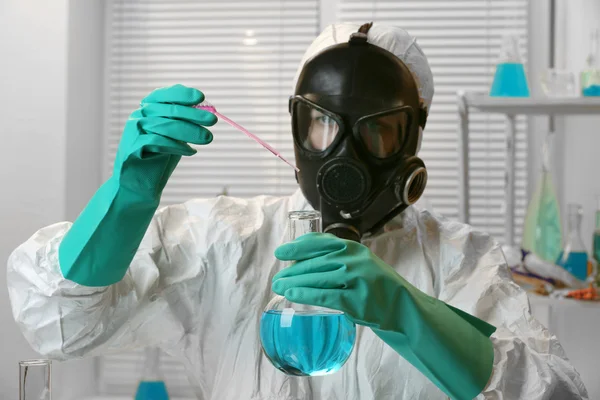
{"x":84,"y":124}
{"x":32,"y":108}
{"x":51,"y":80}
{"x":85,"y":104}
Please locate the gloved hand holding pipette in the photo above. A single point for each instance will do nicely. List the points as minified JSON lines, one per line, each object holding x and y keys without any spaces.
{"x":154,"y":139}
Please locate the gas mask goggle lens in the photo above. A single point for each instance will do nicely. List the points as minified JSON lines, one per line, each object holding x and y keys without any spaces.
{"x":382,"y":135}
{"x":315,"y":127}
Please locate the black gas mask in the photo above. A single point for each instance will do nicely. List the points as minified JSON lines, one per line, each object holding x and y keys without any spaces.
{"x":357,"y":121}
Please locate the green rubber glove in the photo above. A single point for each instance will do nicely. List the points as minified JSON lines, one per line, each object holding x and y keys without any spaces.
{"x":101,"y":243}
{"x":450,"y":347}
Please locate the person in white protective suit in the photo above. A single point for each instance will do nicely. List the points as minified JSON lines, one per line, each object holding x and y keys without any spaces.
{"x":437,"y":313}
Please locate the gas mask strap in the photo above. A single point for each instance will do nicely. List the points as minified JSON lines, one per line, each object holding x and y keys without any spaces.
{"x":423,"y":112}
{"x":361,"y":35}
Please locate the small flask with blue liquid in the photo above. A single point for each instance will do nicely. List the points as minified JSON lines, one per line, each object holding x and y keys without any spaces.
{"x":303,"y":340}
{"x":510,"y":79}
{"x":590,"y":76}
{"x":152,"y":386}
{"x":574,"y":257}
{"x":596,"y":242}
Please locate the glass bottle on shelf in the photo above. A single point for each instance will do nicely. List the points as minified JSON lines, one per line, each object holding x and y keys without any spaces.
{"x":542,"y":231}
{"x":574,"y":257}
{"x":304,"y":340}
{"x":590,"y":76}
{"x":510,"y":79}
{"x":596,"y":241}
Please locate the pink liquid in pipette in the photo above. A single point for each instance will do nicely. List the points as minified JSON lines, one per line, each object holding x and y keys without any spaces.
{"x":210,"y":108}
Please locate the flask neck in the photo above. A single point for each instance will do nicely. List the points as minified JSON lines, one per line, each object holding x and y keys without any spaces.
{"x":575,"y":213}
{"x":592,"y":58}
{"x":574,"y":240}
{"x":152,"y":364}
{"x":574,"y":223}
{"x":303,"y":222}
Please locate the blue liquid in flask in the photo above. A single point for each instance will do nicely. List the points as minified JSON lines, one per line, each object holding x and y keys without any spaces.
{"x":575,"y":262}
{"x":152,"y":390}
{"x":510,"y":81}
{"x":307,"y":344}
{"x":592,"y":91}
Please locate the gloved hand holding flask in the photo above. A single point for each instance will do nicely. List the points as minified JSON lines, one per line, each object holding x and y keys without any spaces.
{"x":346,"y":276}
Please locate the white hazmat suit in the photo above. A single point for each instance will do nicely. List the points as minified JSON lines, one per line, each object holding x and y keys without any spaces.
{"x":202,"y":276}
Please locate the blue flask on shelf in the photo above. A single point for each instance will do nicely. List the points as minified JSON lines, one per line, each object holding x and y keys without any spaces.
{"x":574,"y":257}
{"x":510,"y":79}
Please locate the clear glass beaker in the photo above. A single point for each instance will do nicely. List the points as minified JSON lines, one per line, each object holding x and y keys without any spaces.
{"x":304,"y":340}
{"x":574,"y":257}
{"x":35,"y":378}
{"x":152,"y":386}
{"x":556,"y":83}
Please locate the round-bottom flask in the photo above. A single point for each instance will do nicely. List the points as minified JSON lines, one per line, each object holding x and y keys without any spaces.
{"x":305,"y":340}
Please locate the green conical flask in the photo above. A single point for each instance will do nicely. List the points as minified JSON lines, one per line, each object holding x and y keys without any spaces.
{"x":542,"y":233}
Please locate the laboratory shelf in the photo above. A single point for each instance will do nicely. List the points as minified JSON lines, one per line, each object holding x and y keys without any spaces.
{"x":533,"y":105}
{"x":511,"y":107}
